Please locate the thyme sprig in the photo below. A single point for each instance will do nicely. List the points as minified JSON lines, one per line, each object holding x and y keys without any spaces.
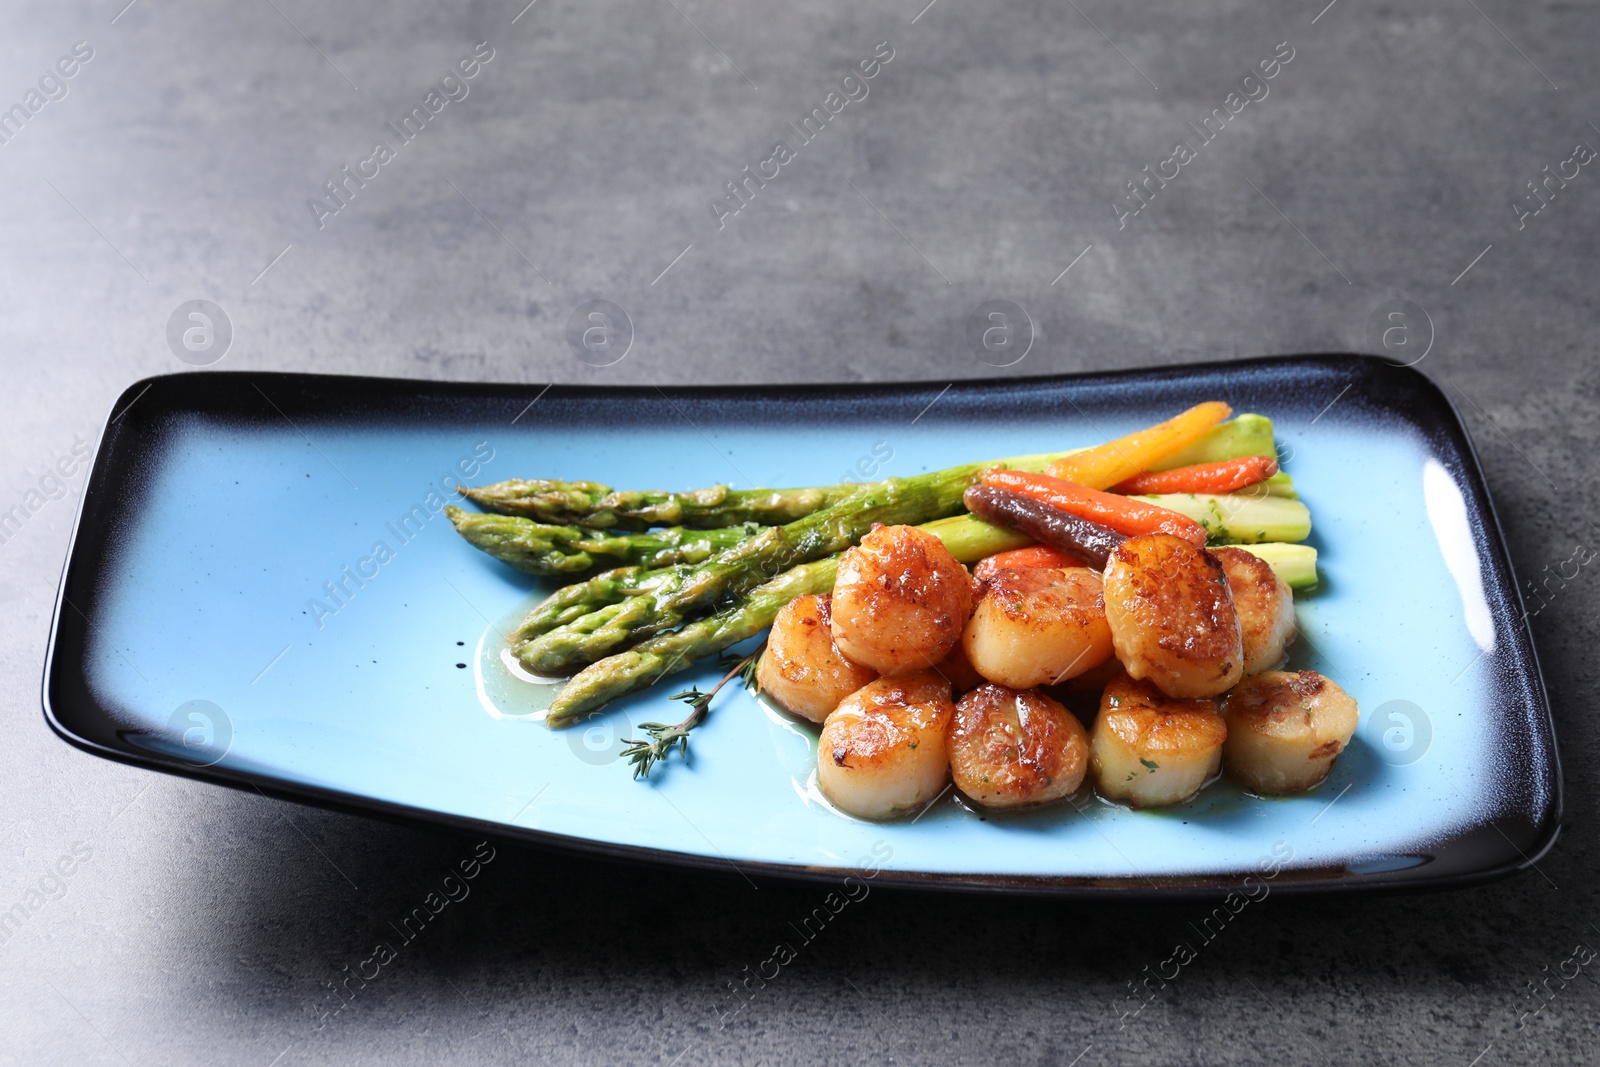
{"x":746,"y":667}
{"x":663,"y":738}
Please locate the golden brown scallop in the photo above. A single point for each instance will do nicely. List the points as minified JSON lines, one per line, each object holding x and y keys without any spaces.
{"x":882,"y":752}
{"x":1172,"y":616}
{"x":802,"y":670}
{"x":1037,"y":626}
{"x":958,"y":670}
{"x":900,"y":600}
{"x":1094,"y":681}
{"x":1285,"y":729}
{"x":1150,"y":749}
{"x":1265,"y":607}
{"x":1010,"y":748}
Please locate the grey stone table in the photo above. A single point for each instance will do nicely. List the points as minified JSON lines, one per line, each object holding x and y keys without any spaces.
{"x":161,"y":152}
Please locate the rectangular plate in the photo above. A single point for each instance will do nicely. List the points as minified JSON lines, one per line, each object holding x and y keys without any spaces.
{"x":222,"y":506}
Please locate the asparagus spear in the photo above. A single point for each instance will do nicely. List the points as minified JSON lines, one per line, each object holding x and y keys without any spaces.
{"x":968,"y":539}
{"x":599,"y":507}
{"x":1241,"y":518}
{"x":573,"y":602}
{"x":544,"y":549}
{"x":636,"y":668}
{"x":1295,"y":564}
{"x":1279,"y":484}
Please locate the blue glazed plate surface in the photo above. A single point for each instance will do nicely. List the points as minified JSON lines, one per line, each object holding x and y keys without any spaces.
{"x":262,"y":592}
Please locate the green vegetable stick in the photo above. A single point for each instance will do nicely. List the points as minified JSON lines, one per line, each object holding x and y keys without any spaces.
{"x":1243,"y":435}
{"x":1240,"y":518}
{"x":1295,"y":564}
{"x":543,"y":549}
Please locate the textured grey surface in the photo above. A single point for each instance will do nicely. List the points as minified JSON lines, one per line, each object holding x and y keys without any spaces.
{"x":207,"y":925}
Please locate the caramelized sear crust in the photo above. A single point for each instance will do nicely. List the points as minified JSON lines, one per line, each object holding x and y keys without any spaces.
{"x":900,"y":601}
{"x":889,"y":712}
{"x":1172,"y":616}
{"x":882,"y":752}
{"x":1285,"y":729}
{"x":1010,"y":748}
{"x":1265,"y":606}
{"x":1037,"y":626}
{"x":802,"y":670}
{"x":1143,"y":717}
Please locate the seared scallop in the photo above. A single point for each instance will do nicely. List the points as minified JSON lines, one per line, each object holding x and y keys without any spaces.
{"x":1265,"y":607}
{"x":900,"y":600}
{"x":802,"y":670}
{"x":1037,"y":626}
{"x":1010,"y":748}
{"x":1172,"y":616}
{"x":1285,"y":729}
{"x":958,"y":670}
{"x":1095,"y":680}
{"x":882,"y":752}
{"x":1150,"y":749}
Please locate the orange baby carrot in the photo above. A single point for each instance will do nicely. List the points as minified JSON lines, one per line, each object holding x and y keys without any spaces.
{"x":1227,"y":476}
{"x":1126,"y":515}
{"x":1032,"y":556}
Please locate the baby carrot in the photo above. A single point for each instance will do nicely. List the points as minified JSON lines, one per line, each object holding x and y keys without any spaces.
{"x":1105,"y":465}
{"x":1227,"y":476}
{"x":1032,"y":556}
{"x":1126,"y":515}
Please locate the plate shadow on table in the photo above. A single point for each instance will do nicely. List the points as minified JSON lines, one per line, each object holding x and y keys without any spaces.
{"x":532,"y":917}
